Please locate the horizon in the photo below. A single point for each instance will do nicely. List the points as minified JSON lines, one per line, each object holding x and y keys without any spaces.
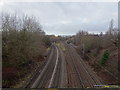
{"x":70,"y":17}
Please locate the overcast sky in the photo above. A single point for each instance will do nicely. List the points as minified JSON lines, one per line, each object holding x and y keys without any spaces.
{"x":67,"y":18}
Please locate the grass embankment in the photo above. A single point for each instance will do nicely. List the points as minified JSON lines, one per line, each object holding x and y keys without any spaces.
{"x":101,"y":53}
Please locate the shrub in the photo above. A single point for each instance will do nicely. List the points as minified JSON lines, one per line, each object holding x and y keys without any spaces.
{"x":22,"y":44}
{"x":9,"y":75}
{"x":47,"y":41}
{"x":104,"y":58}
{"x":90,"y":42}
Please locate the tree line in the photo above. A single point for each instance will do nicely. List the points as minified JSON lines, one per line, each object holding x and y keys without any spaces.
{"x":94,"y":43}
{"x":24,"y":44}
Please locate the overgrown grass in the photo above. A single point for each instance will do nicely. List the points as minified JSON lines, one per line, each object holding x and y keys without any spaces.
{"x":61,"y":45}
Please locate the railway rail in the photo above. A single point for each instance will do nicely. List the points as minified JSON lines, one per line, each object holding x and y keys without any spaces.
{"x":63,"y":70}
{"x":50,"y":75}
{"x":86,"y":77}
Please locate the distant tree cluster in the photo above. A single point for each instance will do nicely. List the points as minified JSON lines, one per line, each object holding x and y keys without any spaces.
{"x":24,"y":44}
{"x":97,"y":41}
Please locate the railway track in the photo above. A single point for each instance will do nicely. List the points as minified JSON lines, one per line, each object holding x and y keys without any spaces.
{"x":67,"y":70}
{"x":93,"y":76}
{"x":47,"y":72}
{"x":74,"y":79}
{"x":50,"y":75}
{"x":85,"y":76}
{"x":37,"y":72}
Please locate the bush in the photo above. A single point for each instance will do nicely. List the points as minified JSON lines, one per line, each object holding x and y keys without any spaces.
{"x":104,"y":58}
{"x":90,"y":42}
{"x":22,"y":44}
{"x":47,"y":41}
{"x":9,"y":75}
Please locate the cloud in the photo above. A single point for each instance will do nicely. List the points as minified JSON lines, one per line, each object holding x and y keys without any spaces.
{"x":68,"y":18}
{"x":61,"y":0}
{"x":65,"y":22}
{"x":85,"y":20}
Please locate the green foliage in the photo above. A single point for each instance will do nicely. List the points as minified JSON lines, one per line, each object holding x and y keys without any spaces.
{"x":104,"y":58}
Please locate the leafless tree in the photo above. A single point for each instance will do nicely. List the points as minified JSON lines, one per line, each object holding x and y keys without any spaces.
{"x":23,"y":43}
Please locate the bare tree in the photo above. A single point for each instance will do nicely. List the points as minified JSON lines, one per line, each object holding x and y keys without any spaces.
{"x":23,"y":43}
{"x":110,"y":27}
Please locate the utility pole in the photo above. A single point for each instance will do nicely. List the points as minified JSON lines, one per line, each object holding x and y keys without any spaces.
{"x":83,"y":51}
{"x":111,"y":26}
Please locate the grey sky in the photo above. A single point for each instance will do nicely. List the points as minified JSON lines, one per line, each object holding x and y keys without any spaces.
{"x":67,"y":18}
